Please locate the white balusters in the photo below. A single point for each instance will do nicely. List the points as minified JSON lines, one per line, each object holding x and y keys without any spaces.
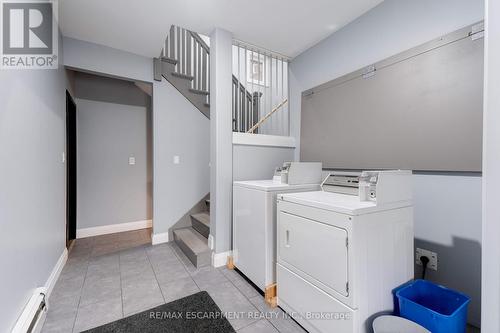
{"x":260,"y":80}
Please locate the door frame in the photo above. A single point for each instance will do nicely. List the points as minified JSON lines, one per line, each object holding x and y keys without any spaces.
{"x":71,"y":169}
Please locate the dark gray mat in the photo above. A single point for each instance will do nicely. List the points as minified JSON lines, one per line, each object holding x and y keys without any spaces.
{"x":196,"y":313}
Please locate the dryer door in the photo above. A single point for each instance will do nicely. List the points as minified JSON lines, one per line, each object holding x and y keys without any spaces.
{"x":314,"y":250}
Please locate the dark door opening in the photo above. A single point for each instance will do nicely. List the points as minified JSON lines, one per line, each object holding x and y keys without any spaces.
{"x":70,"y":169}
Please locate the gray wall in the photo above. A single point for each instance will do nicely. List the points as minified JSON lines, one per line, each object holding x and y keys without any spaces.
{"x":221,"y":135}
{"x":101,"y":59}
{"x":178,"y":129}
{"x":258,"y":162}
{"x":390,"y":28}
{"x":491,"y":176}
{"x":113,"y":123}
{"x":105,"y":89}
{"x":110,"y":191}
{"x":33,"y":183}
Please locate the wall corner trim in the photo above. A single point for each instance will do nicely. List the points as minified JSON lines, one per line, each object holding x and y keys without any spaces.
{"x":113,"y":228}
{"x":220,"y":259}
{"x":159,"y":238}
{"x":263,"y":140}
{"x":211,"y":242}
{"x":56,"y":271}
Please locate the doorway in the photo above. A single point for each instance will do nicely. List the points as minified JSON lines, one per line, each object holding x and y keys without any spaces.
{"x":70,"y":169}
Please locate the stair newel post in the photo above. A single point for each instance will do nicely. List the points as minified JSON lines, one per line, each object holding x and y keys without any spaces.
{"x":195,"y":64}
{"x":256,"y":107}
{"x":208,"y":76}
{"x":198,"y":80}
{"x":233,"y":104}
{"x":178,"y":35}
{"x":188,"y":54}
{"x":245,"y":127}
{"x":172,"y":41}
{"x":182,"y":63}
{"x":164,"y":50}
{"x":251,"y":91}
{"x":204,"y":80}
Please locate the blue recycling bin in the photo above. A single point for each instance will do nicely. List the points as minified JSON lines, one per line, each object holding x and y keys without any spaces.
{"x":437,"y":308}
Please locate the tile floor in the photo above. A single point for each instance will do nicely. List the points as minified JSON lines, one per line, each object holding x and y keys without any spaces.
{"x":113,"y":276}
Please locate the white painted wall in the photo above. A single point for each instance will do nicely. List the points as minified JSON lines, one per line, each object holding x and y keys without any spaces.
{"x":491,"y":176}
{"x":178,"y":129}
{"x":33,"y":183}
{"x":444,"y":220}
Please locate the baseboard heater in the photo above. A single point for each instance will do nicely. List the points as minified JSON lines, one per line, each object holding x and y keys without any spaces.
{"x":33,"y":315}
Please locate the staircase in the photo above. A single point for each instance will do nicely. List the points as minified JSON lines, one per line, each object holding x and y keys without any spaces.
{"x":185,"y":63}
{"x":193,"y":240}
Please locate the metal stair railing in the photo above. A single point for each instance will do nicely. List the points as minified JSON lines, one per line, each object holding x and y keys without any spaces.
{"x":191,"y":56}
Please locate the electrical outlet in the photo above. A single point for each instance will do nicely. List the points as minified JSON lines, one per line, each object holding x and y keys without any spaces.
{"x":433,"y":259}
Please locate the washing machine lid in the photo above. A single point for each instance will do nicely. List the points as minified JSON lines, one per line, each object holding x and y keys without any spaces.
{"x":269,"y":185}
{"x":340,"y":203}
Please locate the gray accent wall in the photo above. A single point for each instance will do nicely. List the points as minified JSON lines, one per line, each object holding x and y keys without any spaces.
{"x":447,"y":205}
{"x":109,"y":190}
{"x":258,"y":162}
{"x":181,"y":130}
{"x":33,"y":183}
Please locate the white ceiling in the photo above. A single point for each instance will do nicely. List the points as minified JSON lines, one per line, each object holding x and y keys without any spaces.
{"x":140,"y":26}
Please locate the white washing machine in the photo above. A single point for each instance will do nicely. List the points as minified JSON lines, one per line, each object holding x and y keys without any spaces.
{"x":342,"y":250}
{"x":254,"y":227}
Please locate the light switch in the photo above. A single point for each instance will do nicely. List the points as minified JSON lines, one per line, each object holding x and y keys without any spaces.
{"x":177,"y":159}
{"x":131,"y":160}
{"x":63,"y":157}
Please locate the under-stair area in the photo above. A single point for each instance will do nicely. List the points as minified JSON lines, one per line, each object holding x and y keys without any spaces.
{"x":184,"y":62}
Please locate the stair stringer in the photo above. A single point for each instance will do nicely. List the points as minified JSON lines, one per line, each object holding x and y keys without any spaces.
{"x":185,"y":220}
{"x":166,"y":68}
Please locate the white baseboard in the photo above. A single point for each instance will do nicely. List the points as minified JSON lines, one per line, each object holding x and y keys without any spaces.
{"x":56,"y":271}
{"x":220,"y":259}
{"x":159,"y":238}
{"x":113,"y":228}
{"x":29,"y":312}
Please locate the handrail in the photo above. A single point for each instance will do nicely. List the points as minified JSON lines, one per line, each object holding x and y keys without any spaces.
{"x":200,"y":41}
{"x":263,"y":119}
